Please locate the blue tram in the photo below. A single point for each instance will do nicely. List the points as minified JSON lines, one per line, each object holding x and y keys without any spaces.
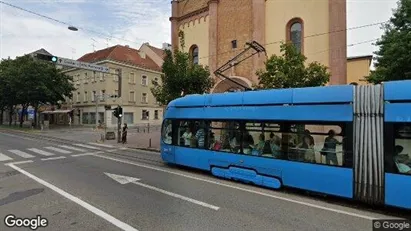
{"x":347,"y":141}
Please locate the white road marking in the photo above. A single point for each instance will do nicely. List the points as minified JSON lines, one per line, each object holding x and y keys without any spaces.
{"x":72,"y":148}
{"x":54,"y":158}
{"x":128,"y":179}
{"x":21,"y":153}
{"x":178,"y":196}
{"x":41,"y":152}
{"x":58,"y":150}
{"x":103,"y":145}
{"x":4,"y":157}
{"x":86,"y":154}
{"x":242,"y":189}
{"x":20,"y":162}
{"x":80,"y":202}
{"x":112,"y":150}
{"x":87,"y":146}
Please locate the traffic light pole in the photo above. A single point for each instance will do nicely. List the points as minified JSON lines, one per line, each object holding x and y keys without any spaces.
{"x":119,"y":117}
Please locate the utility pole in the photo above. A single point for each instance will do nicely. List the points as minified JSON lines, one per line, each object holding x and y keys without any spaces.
{"x":96,"y":97}
{"x":119,"y":96}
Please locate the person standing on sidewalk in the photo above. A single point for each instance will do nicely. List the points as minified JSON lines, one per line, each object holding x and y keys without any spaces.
{"x":124,"y":134}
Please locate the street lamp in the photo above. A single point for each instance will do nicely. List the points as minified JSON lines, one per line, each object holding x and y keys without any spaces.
{"x":73,"y":28}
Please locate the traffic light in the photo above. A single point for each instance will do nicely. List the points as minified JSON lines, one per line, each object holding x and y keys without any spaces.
{"x":118,"y":112}
{"x":49,"y":58}
{"x":115,"y":112}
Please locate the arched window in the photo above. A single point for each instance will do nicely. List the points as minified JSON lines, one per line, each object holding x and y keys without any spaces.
{"x":194,"y":54}
{"x":295,"y":33}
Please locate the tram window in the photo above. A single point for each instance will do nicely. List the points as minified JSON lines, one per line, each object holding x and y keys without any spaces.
{"x":262,"y":139}
{"x":400,"y":157}
{"x":191,"y":133}
{"x":224,"y":136}
{"x":167,"y":132}
{"x":321,"y":144}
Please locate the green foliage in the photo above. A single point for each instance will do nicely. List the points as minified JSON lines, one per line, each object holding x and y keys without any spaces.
{"x":393,"y":59}
{"x":289,"y":71}
{"x":29,"y":82}
{"x":181,"y":77}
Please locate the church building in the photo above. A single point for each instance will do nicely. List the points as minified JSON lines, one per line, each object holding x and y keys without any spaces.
{"x":214,"y":31}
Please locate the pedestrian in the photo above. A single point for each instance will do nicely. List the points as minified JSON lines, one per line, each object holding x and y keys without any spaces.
{"x":124,"y":135}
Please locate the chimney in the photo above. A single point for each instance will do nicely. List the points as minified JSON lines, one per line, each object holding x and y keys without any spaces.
{"x":166,"y":46}
{"x":142,"y":54}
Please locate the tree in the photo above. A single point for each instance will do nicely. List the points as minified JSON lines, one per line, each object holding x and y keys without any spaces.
{"x":181,"y":77}
{"x":289,"y":71}
{"x":31,"y":82}
{"x":8,"y":91}
{"x":393,"y":59}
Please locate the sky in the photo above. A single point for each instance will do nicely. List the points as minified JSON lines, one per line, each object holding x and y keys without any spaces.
{"x":104,"y":23}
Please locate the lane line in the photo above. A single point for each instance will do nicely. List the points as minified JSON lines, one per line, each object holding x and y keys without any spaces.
{"x":80,"y":202}
{"x":21,"y":153}
{"x":112,"y":150}
{"x":177,"y":196}
{"x":4,"y":157}
{"x":72,"y":148}
{"x":87,"y":146}
{"x":20,"y":162}
{"x":102,"y":145}
{"x":41,"y":152}
{"x":54,"y":158}
{"x":242,"y":189}
{"x":58,"y":150}
{"x":87,"y":154}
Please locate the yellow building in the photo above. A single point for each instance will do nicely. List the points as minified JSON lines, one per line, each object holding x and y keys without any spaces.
{"x":216,"y":30}
{"x":96,"y":89}
{"x":357,"y":68}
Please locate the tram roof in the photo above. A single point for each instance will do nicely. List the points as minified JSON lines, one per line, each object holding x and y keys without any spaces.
{"x":308,"y":95}
{"x":397,"y":90}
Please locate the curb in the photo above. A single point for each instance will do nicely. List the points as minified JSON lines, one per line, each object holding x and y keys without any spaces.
{"x":146,"y":149}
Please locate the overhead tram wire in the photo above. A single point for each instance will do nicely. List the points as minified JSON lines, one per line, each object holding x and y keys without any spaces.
{"x":313,"y":53}
{"x":266,"y":44}
{"x":65,"y":23}
{"x":309,"y":36}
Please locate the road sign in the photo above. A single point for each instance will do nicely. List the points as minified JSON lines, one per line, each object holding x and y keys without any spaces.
{"x":82,"y":65}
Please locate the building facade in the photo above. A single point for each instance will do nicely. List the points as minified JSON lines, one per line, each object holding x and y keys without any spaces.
{"x":217,"y":30}
{"x":96,"y":90}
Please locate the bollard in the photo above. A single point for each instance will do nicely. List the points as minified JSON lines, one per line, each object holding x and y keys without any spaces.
{"x":149,"y":143}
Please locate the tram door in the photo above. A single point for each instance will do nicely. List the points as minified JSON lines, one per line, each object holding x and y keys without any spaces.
{"x":167,"y":149}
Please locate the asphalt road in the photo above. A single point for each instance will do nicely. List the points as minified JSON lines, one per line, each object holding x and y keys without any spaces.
{"x":103,"y":189}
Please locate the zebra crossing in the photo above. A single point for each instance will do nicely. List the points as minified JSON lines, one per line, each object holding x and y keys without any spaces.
{"x":52,"y":152}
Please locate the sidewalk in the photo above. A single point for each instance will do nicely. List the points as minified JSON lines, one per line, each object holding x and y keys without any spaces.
{"x":137,"y":138}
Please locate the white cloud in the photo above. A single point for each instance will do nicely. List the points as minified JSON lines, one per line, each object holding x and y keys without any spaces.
{"x":22,"y":33}
{"x":134,"y":22}
{"x":362,"y":12}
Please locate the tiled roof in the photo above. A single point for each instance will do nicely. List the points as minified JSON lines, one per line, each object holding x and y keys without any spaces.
{"x":41,"y":51}
{"x":188,"y":6}
{"x":121,"y":54}
{"x":158,"y":51}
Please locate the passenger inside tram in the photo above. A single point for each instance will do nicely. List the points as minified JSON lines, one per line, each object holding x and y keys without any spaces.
{"x":306,"y":148}
{"x":402,"y":160}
